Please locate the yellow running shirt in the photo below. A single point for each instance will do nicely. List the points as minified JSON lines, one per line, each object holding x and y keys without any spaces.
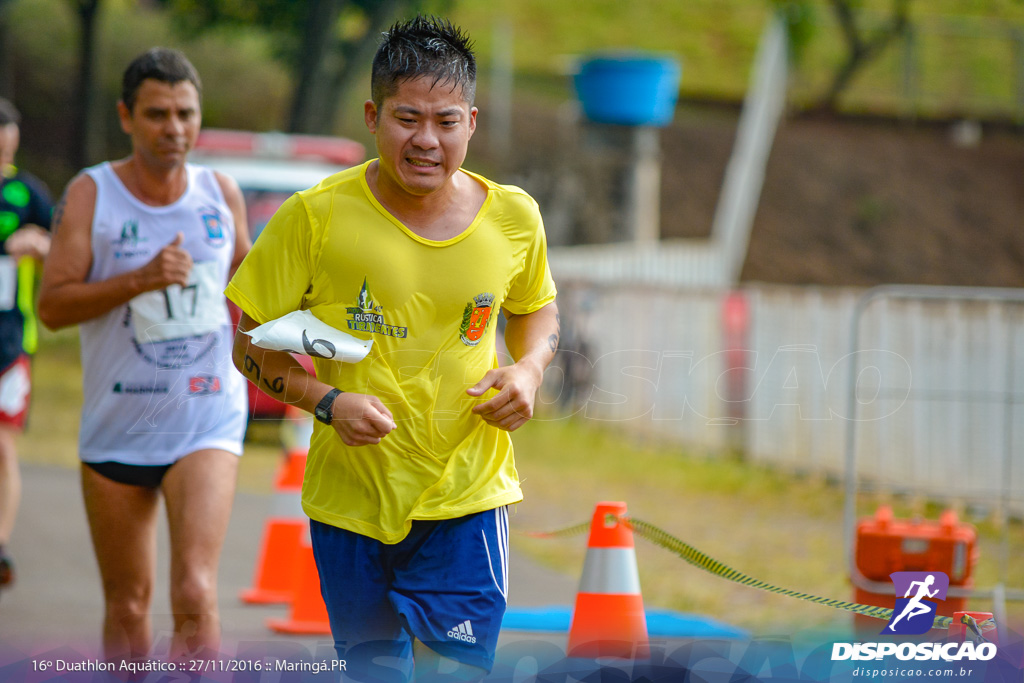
{"x":431,"y":309}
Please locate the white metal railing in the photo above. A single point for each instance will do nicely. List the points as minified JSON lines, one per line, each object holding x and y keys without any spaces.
{"x":939,"y":384}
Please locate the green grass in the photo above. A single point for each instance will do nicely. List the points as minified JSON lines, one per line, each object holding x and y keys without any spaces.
{"x":781,"y":528}
{"x":965,"y":59}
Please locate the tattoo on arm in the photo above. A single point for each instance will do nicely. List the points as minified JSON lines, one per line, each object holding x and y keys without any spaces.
{"x":58,"y":213}
{"x":252,"y":368}
{"x":553,"y":339}
{"x":277,"y":386}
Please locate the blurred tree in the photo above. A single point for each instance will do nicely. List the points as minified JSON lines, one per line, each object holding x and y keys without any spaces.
{"x":85,"y":140}
{"x":325,"y":42}
{"x":862,"y":44}
{"x":6,"y":69}
{"x":801,"y":19}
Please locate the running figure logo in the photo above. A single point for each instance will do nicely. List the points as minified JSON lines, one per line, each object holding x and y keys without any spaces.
{"x":915,"y":611}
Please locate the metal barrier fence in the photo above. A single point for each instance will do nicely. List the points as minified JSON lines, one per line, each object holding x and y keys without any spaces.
{"x":948,"y":406}
{"x":937,"y":384}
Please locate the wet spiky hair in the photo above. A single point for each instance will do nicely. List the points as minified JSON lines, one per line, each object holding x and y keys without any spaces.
{"x":425,"y":46}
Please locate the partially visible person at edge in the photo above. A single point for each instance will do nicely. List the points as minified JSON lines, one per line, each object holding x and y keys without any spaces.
{"x":410,"y":468}
{"x":142,"y":249}
{"x":25,"y":211}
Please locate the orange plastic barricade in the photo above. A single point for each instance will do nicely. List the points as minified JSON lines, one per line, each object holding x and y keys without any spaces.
{"x":885,"y":544}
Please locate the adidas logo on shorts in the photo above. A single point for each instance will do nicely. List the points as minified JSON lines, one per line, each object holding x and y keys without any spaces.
{"x":463,"y":632}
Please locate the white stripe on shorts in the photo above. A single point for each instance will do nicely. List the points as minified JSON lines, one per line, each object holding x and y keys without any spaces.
{"x":501,"y":531}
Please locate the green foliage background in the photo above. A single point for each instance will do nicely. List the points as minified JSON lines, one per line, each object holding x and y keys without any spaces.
{"x":244,"y":85}
{"x":968,"y":57}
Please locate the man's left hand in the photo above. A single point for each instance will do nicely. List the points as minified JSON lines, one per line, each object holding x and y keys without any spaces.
{"x":512,"y":407}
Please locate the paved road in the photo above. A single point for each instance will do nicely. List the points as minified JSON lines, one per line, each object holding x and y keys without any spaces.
{"x":56,"y":602}
{"x":54,"y":612}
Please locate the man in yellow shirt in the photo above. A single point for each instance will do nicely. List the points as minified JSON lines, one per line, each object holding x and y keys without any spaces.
{"x":410,"y":466}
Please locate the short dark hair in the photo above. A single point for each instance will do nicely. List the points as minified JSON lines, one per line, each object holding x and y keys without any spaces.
{"x":8,"y":113}
{"x":160,"y":63}
{"x":424,"y":46}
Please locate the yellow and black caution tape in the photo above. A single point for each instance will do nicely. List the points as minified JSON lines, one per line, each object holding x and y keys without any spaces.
{"x":691,"y":555}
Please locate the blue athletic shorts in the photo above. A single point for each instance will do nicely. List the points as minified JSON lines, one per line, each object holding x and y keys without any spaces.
{"x":445,"y":584}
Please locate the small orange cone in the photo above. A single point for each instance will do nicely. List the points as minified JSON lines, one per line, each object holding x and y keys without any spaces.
{"x":609,"y":619}
{"x":282,"y":536}
{"x":968,"y":626}
{"x":309,"y":614}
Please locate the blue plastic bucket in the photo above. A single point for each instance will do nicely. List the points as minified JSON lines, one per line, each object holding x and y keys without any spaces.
{"x":631,"y":90}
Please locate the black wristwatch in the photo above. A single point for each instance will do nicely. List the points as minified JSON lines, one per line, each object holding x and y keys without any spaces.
{"x":324,"y":410}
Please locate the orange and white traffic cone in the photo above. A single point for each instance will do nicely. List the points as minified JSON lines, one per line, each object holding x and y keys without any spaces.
{"x":309,"y":613}
{"x":609,"y":619}
{"x":973,"y":626}
{"x":282,"y":536}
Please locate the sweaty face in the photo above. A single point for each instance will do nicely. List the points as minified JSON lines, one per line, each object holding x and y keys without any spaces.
{"x":422,"y":133}
{"x":163,"y":123}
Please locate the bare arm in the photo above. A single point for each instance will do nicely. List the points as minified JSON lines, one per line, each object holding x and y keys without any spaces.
{"x":236,"y":202}
{"x":359,"y":419}
{"x":65,"y":298}
{"x":532,"y":339}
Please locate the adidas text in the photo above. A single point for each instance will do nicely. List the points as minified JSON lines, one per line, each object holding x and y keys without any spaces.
{"x":463,"y":632}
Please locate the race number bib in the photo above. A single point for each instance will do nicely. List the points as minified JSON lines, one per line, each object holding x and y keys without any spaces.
{"x":178,"y":312}
{"x":8,"y":283}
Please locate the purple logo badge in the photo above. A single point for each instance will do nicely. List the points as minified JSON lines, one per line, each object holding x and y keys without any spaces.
{"x":915,"y":610}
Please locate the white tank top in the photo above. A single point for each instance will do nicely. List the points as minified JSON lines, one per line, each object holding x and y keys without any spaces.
{"x":157,"y":373}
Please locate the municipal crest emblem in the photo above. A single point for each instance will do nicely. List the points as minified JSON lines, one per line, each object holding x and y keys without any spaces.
{"x":214,"y":225}
{"x":475,"y":318}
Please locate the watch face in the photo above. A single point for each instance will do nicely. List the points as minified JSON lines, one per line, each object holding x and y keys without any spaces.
{"x":324,"y":410}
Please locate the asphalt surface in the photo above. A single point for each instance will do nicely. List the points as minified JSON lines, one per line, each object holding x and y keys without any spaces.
{"x":56,"y":602}
{"x":53,"y":614}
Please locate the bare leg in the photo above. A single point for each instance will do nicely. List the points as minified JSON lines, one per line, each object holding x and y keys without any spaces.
{"x":199,"y":490}
{"x":122,"y":523}
{"x":10,"y":495}
{"x":10,"y":481}
{"x":430,"y":667}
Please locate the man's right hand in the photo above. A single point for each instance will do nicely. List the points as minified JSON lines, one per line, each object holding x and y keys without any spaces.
{"x":358,"y":419}
{"x":361,"y":420}
{"x":171,"y":266}
{"x":67,"y":296}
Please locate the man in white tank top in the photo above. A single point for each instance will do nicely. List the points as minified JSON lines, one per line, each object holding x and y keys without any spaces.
{"x":142,"y":250}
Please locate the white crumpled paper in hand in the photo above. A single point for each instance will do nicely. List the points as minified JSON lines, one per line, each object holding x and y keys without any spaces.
{"x":304,"y":333}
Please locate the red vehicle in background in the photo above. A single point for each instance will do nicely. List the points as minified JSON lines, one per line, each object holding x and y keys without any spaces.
{"x":269,"y":168}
